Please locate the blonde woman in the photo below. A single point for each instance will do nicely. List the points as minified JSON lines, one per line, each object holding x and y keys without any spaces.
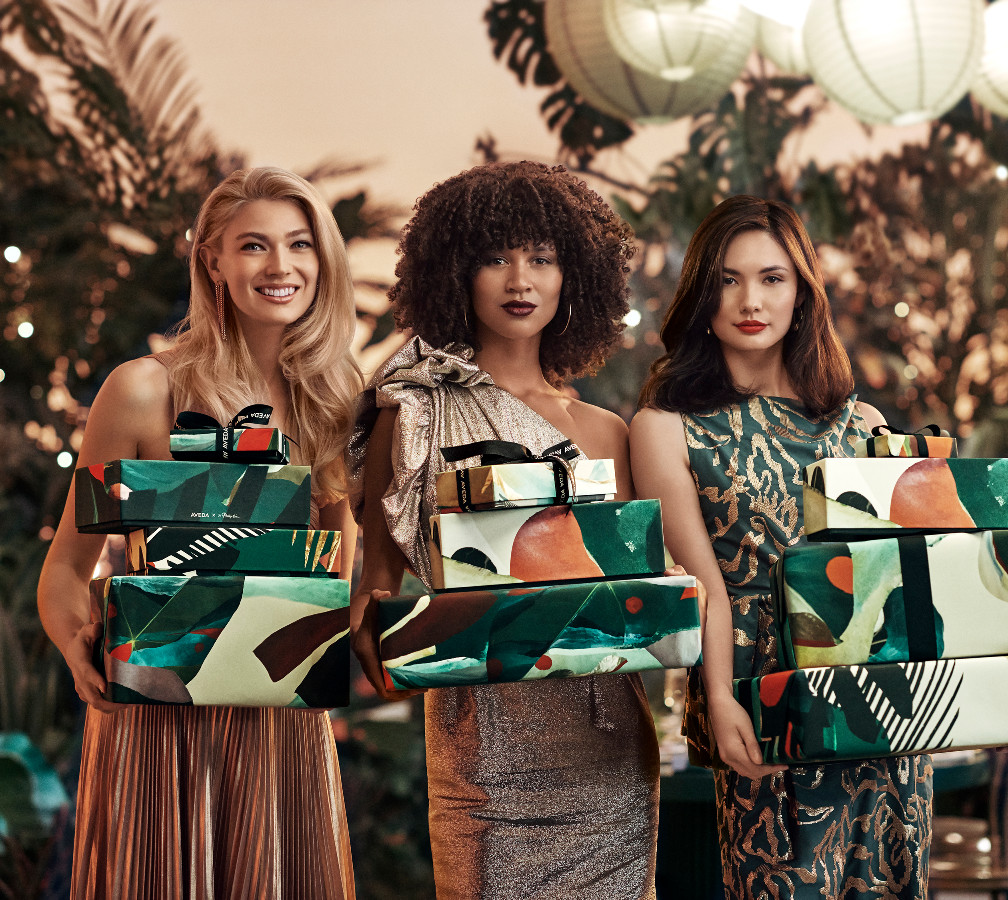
{"x":179,"y":801}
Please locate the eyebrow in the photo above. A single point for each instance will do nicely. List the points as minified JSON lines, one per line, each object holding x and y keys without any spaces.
{"x":761,"y":271}
{"x":262,"y":237}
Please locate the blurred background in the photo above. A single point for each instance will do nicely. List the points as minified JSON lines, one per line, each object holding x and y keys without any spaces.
{"x":882,"y":123}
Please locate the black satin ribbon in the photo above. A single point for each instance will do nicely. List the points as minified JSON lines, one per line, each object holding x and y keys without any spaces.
{"x":918,"y":601}
{"x":493,"y":453}
{"x":255,"y":415}
{"x":920,"y":437}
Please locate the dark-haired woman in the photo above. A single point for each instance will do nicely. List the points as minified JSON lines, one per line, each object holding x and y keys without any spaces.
{"x":753,"y":386}
{"x":512,"y":278}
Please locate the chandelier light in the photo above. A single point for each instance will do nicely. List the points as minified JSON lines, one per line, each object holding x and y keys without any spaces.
{"x":673,"y":39}
{"x":894,"y":61}
{"x":991,"y":86}
{"x":577,"y":40}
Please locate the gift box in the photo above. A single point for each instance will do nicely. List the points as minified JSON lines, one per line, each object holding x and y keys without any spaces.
{"x":849,"y":498}
{"x":929,"y":441}
{"x":527,"y":633}
{"x":201,"y":438}
{"x":617,"y":539}
{"x":858,"y":712}
{"x":541,"y":483}
{"x":224,"y":640}
{"x":135,"y":493}
{"x":181,"y":550}
{"x":893,"y":600}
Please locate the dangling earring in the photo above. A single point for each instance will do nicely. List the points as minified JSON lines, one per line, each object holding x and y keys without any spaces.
{"x":708,"y":331}
{"x":465,"y":318}
{"x":799,"y":316}
{"x":219,"y":292}
{"x":570,"y":309}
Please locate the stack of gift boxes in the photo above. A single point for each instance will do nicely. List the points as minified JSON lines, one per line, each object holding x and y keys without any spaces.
{"x":231,"y":599}
{"x":895,"y":640}
{"x":538,"y":573}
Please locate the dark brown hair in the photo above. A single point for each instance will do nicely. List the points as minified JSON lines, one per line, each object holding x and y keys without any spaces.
{"x":692,"y":375}
{"x":461,"y":221}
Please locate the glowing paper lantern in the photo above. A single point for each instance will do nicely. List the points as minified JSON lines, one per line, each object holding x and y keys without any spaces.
{"x":577,"y":41}
{"x":894,"y":61}
{"x":991,"y":86}
{"x":674,"y":39}
{"x":782,"y":45}
{"x":784,"y":12}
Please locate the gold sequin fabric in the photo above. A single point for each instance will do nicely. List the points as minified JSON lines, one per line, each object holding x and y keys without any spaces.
{"x":842,"y":830}
{"x":546,"y":789}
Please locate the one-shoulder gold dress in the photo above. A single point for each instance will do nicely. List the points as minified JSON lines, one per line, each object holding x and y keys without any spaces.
{"x":537,"y":790}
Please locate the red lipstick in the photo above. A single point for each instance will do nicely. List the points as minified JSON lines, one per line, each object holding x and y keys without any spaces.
{"x":750,"y":326}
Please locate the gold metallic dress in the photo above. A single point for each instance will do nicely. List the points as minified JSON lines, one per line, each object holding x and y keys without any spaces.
{"x":832,"y":832}
{"x":210,"y":803}
{"x":537,"y":790}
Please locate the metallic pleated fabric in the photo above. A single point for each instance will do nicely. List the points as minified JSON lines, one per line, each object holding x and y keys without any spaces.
{"x":179,"y":802}
{"x":537,"y":790}
{"x":843,"y":830}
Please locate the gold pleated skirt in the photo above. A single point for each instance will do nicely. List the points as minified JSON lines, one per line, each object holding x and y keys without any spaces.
{"x":179,"y":803}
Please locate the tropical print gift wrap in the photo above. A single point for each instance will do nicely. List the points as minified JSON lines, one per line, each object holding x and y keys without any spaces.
{"x":547,"y":544}
{"x":224,"y":640}
{"x":181,"y":550}
{"x":133,"y":493}
{"x":527,"y":633}
{"x":857,"y":712}
{"x":929,"y":441}
{"x":865,"y":498}
{"x":893,"y":600}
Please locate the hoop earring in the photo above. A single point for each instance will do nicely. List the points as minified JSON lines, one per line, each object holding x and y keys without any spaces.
{"x":219,"y":293}
{"x":570,"y":309}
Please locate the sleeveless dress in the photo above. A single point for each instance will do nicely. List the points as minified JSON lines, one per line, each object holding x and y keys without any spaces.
{"x":841,"y":830}
{"x":228,"y":803}
{"x":537,"y":790}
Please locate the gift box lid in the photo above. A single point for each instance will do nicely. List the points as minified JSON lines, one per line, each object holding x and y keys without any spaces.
{"x":121,"y":495}
{"x":930,"y":441}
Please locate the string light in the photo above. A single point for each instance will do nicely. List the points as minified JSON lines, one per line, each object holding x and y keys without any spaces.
{"x":25,"y":330}
{"x":902,"y":309}
{"x":632,"y":318}
{"x":12,"y":254}
{"x":64,"y":460}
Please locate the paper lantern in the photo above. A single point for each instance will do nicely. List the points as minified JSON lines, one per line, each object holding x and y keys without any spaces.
{"x":674,"y":39}
{"x":894,"y":61}
{"x":782,"y":45}
{"x":577,"y":41}
{"x":783,"y":12}
{"x":991,"y":86}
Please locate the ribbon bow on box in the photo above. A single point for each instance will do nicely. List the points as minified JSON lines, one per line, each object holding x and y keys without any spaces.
{"x":928,"y":441}
{"x":492,"y":453}
{"x":201,"y":438}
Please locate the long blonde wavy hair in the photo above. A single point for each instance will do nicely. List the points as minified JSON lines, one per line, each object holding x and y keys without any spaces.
{"x":220,"y":377}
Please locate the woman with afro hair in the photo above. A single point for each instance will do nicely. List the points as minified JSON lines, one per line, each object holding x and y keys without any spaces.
{"x":512,"y":278}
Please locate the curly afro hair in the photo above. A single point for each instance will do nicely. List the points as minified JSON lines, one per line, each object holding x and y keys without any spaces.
{"x":461,"y":221}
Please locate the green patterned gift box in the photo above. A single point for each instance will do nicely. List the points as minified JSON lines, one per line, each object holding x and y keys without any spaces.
{"x":850,"y":498}
{"x":893,"y":600}
{"x":582,"y":541}
{"x":889,"y":709}
{"x":224,"y":640}
{"x":181,"y":550}
{"x":527,"y":633}
{"x":199,"y":437}
{"x":126,"y":494}
{"x":511,"y":484}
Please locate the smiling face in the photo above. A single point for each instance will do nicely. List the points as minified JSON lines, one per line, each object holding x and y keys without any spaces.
{"x":759,"y":288}
{"x":267,"y":258}
{"x":516,"y":292}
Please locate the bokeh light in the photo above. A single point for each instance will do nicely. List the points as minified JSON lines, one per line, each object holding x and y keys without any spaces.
{"x":64,"y":460}
{"x":26,"y":330}
{"x":12,"y":254}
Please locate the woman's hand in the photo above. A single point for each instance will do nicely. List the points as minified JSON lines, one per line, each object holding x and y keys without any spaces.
{"x":88,"y":681}
{"x":735,"y":739}
{"x":364,"y":640}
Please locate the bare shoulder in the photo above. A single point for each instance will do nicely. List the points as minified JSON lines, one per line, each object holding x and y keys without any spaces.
{"x":131,"y":415}
{"x":657,"y":428}
{"x":598,"y":427}
{"x":871,"y":416}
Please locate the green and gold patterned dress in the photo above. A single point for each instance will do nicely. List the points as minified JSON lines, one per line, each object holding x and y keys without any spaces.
{"x":840,"y":830}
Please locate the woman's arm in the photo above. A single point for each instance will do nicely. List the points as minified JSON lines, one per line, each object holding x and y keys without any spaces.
{"x":384,"y":562}
{"x":660,"y":463}
{"x":130,"y":418}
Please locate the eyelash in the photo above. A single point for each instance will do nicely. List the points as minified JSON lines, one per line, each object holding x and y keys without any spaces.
{"x":297,"y":245}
